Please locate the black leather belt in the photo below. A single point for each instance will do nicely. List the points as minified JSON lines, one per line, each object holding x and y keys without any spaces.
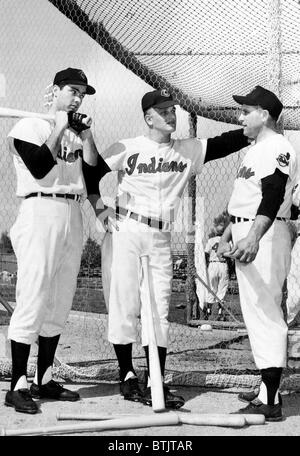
{"x":217,"y":261}
{"x":153,"y":223}
{"x":54,"y":195}
{"x":234,"y":219}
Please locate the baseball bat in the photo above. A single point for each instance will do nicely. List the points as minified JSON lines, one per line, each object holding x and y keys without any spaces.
{"x":163,"y":419}
{"x":212,"y":419}
{"x":16,"y":113}
{"x":198,"y":419}
{"x":157,"y":393}
{"x":254,"y":419}
{"x":216,"y":297}
{"x":6,"y":305}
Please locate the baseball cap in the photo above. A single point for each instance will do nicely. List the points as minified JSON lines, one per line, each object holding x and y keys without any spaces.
{"x":263,"y":98}
{"x":73,"y":76}
{"x":157,"y":99}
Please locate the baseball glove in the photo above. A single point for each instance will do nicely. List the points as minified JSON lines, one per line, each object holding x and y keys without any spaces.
{"x":75,"y":122}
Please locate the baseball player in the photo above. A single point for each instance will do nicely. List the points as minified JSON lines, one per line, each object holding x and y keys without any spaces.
{"x":154,"y":170}
{"x":259,"y":206}
{"x":293,"y":286}
{"x":218,"y":273}
{"x":49,"y":158}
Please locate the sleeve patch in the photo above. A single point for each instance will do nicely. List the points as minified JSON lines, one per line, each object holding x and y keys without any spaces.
{"x":283,"y":159}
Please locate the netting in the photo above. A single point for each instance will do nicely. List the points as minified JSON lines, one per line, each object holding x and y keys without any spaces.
{"x":203,"y":52}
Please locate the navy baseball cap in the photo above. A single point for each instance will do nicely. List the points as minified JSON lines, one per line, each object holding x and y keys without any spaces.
{"x":263,"y":98}
{"x":157,"y":99}
{"x":73,"y":76}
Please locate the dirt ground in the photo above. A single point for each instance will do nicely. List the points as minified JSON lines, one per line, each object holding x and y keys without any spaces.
{"x":104,"y":398}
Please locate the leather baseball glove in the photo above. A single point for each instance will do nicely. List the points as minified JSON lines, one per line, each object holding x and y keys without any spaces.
{"x":75,"y":122}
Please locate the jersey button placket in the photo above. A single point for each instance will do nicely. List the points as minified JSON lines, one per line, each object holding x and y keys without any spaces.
{"x":160,"y":154}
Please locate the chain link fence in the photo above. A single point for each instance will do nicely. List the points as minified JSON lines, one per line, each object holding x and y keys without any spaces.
{"x":201,"y":52}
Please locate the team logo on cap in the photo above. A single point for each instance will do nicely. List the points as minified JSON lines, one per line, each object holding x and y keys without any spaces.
{"x":81,"y":75}
{"x":283,"y":159}
{"x":164,"y":93}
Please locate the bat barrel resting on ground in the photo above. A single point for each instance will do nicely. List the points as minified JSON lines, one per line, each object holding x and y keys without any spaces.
{"x":157,"y":393}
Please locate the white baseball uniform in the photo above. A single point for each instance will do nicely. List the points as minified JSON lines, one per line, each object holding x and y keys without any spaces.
{"x":153,"y":179}
{"x":47,"y":235}
{"x":261,"y":281}
{"x":293,"y":282}
{"x":218,"y":274}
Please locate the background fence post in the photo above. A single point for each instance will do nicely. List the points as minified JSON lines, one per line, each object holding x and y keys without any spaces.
{"x":190,"y":289}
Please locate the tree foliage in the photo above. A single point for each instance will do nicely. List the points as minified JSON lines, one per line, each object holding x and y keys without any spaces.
{"x":91,"y":255}
{"x":5,"y":243}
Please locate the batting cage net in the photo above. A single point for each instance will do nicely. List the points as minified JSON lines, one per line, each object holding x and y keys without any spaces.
{"x":202,"y":52}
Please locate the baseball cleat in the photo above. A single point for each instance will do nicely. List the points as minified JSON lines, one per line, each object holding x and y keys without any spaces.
{"x":171,"y":400}
{"x":53,"y":390}
{"x":130,"y":390}
{"x":256,"y":407}
{"x":21,"y":400}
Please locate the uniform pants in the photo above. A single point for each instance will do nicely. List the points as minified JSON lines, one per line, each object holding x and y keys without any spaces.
{"x":218,"y":280}
{"x":293,"y":284}
{"x":47,"y":238}
{"x":123,"y":285}
{"x":260,"y":288}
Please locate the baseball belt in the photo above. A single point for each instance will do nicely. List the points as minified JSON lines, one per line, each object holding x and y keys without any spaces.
{"x":234,"y":219}
{"x":153,"y":223}
{"x":54,"y":195}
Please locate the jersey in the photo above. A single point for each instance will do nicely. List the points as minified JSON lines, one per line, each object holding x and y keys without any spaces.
{"x":153,"y":176}
{"x":261,"y":160}
{"x":212,"y":247}
{"x":65,"y":177}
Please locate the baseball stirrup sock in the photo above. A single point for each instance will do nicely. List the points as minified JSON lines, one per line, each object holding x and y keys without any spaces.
{"x":271,"y":378}
{"x":19,"y":354}
{"x":124,"y":356}
{"x":46,"y":352}
{"x":162,"y":354}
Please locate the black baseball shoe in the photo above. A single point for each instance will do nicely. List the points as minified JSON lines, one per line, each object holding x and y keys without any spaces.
{"x":130,"y":390}
{"x":21,"y":400}
{"x":256,"y":407}
{"x":171,"y":400}
{"x":53,"y":390}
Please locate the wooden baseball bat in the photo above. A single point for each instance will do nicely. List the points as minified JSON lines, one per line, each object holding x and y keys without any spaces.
{"x":163,"y":419}
{"x":16,"y":113}
{"x":254,"y":419}
{"x":198,"y":419}
{"x":216,"y":297}
{"x":157,"y":392}
{"x":208,"y":419}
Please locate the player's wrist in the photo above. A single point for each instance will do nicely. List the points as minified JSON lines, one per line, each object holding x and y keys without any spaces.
{"x":86,"y":135}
